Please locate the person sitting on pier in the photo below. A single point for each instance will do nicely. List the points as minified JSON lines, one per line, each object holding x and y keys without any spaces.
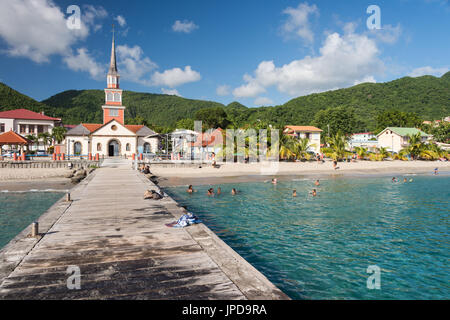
{"x":152,"y":194}
{"x":146,"y":170}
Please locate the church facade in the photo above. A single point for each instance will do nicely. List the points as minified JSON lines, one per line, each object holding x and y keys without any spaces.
{"x":113,"y":137}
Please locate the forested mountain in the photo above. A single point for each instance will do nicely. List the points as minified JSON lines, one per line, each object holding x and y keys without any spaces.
{"x":427,"y":96}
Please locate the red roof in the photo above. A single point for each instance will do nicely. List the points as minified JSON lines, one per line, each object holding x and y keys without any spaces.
{"x":304,"y":128}
{"x":209,"y":139}
{"x":92,"y":126}
{"x":134,"y":128}
{"x":11,"y":137}
{"x":95,"y":126}
{"x":26,"y":115}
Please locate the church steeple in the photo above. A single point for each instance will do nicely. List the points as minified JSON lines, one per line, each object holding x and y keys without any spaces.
{"x":113,"y":108}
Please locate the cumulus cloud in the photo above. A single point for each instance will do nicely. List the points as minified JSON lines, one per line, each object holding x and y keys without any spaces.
{"x":297,"y":23}
{"x":133,"y":65}
{"x":170,"y":92}
{"x":92,"y":14}
{"x":343,"y":61}
{"x":388,"y":33}
{"x":223,"y":90}
{"x":422,"y":71}
{"x":175,"y":77}
{"x":121,"y":21}
{"x":82,"y":61}
{"x":263,"y":101}
{"x":185,"y":26}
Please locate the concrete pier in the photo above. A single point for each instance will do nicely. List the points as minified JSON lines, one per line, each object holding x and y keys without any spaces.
{"x":122,"y":248}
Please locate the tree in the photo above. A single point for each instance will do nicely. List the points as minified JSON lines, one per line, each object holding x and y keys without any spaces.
{"x":46,"y":138}
{"x":138,"y":120}
{"x":32,"y":138}
{"x":394,"y":118}
{"x":361,"y":152}
{"x":187,"y":124}
{"x":339,"y":119}
{"x":212,"y":118}
{"x":59,"y":134}
{"x":337,"y":144}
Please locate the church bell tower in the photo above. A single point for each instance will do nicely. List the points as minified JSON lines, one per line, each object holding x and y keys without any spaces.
{"x":113,"y":108}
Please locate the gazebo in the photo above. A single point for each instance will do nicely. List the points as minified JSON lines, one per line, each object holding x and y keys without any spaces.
{"x":11,"y":138}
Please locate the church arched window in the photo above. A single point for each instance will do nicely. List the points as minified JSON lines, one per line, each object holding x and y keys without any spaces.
{"x":99,"y":147}
{"x":109,"y":96}
{"x":117,"y":97}
{"x":128,"y":147}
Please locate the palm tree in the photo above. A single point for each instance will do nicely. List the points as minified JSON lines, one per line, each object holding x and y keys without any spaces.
{"x":300,"y":148}
{"x":59,"y":134}
{"x":337,"y":144}
{"x":32,"y":138}
{"x":383,"y":153}
{"x":416,"y":146}
{"x":286,"y":147}
{"x":361,"y":152}
{"x":432,"y":152}
{"x":46,"y":138}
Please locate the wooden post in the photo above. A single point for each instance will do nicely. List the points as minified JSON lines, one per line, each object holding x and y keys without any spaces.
{"x":68,"y":197}
{"x":35,"y":229}
{"x":134,"y":156}
{"x":97,"y":157}
{"x":54,"y":157}
{"x":90,"y":156}
{"x":63,"y":156}
{"x":15,"y":156}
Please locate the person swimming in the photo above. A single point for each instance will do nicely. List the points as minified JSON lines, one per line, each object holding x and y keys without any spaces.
{"x":405,"y":180}
{"x":190,"y":189}
{"x":233,"y":191}
{"x":219,"y":190}
{"x":314,"y":193}
{"x":210,"y":192}
{"x":394,"y":179}
{"x":317,"y":183}
{"x":436,"y":171}
{"x":274,"y":181}
{"x":294,"y":193}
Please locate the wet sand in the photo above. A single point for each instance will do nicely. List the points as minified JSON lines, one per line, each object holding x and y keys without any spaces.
{"x":50,"y":184}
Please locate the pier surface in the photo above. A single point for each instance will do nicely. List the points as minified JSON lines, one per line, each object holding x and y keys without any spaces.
{"x":124,"y":250}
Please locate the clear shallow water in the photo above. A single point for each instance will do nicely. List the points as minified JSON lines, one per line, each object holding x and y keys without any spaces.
{"x":320,"y":248}
{"x":19,"y":209}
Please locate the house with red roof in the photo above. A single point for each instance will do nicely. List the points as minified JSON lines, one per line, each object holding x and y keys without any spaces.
{"x":308,"y":132}
{"x":26,"y":122}
{"x":112,"y":137}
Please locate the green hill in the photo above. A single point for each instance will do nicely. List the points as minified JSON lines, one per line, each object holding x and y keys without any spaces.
{"x":163,"y":110}
{"x":427,"y":96}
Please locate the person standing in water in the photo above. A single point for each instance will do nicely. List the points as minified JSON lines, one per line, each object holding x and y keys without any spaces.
{"x":314,"y":193}
{"x":436,"y":171}
{"x":294,"y":193}
{"x":233,"y":192}
{"x":317,"y":183}
{"x":190,"y":189}
{"x":219,"y":190}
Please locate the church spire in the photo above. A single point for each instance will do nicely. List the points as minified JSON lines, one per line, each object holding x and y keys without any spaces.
{"x":113,"y":64}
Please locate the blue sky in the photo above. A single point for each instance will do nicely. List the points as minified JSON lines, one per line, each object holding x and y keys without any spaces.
{"x":254,"y":52}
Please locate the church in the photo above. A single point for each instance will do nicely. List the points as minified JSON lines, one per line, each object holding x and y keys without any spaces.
{"x":113,"y":137}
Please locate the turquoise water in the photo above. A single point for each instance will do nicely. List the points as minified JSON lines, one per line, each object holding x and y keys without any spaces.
{"x":18,"y":210}
{"x":320,"y":247}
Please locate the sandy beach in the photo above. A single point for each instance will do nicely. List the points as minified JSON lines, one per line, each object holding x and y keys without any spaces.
{"x":34,"y":179}
{"x":253,"y":172}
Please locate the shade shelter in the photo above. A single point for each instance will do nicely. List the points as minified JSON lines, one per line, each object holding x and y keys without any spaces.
{"x":11,"y":138}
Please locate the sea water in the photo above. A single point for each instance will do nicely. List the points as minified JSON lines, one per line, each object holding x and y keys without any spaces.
{"x":321,"y":247}
{"x":19,"y":209}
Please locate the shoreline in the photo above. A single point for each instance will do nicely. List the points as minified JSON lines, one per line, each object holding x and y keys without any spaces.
{"x":237,"y":173}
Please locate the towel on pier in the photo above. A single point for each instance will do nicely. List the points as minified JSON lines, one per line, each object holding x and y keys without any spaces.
{"x":184,"y":221}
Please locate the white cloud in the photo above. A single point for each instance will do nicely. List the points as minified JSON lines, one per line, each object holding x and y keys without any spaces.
{"x":223,"y":90}
{"x":91,"y":14}
{"x":170,"y":92}
{"x":185,"y":26}
{"x":82,"y":61}
{"x":175,"y":77}
{"x":133,"y":65}
{"x":367,"y":79}
{"x":343,"y":61}
{"x":263,"y":101}
{"x":422,"y":71}
{"x":37,"y":29}
{"x":298,"y":23}
{"x":388,"y":33}
{"x":121,"y":20}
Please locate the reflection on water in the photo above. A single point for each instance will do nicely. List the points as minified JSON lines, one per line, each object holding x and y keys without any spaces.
{"x":320,"y":247}
{"x":19,"y":209}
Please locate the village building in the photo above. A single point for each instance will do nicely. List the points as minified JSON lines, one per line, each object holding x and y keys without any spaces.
{"x":26,"y":122}
{"x":308,"y":132}
{"x":364,"y":140}
{"x":396,"y":139}
{"x":113,"y":137}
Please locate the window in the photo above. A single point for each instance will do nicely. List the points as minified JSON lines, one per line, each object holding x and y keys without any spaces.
{"x":40,"y":129}
{"x":113,"y":112}
{"x":31,"y":128}
{"x":117,"y":97}
{"x":23,"y":128}
{"x":109,"y":96}
{"x":2,"y":127}
{"x":146,"y":147}
{"x":128,"y":147}
{"x":77,"y":148}
{"x":99,"y":147}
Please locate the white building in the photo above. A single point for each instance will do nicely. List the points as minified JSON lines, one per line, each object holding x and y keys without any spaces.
{"x":396,"y":139}
{"x":113,"y":137}
{"x":308,"y":132}
{"x":365,"y":140}
{"x":26,"y":122}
